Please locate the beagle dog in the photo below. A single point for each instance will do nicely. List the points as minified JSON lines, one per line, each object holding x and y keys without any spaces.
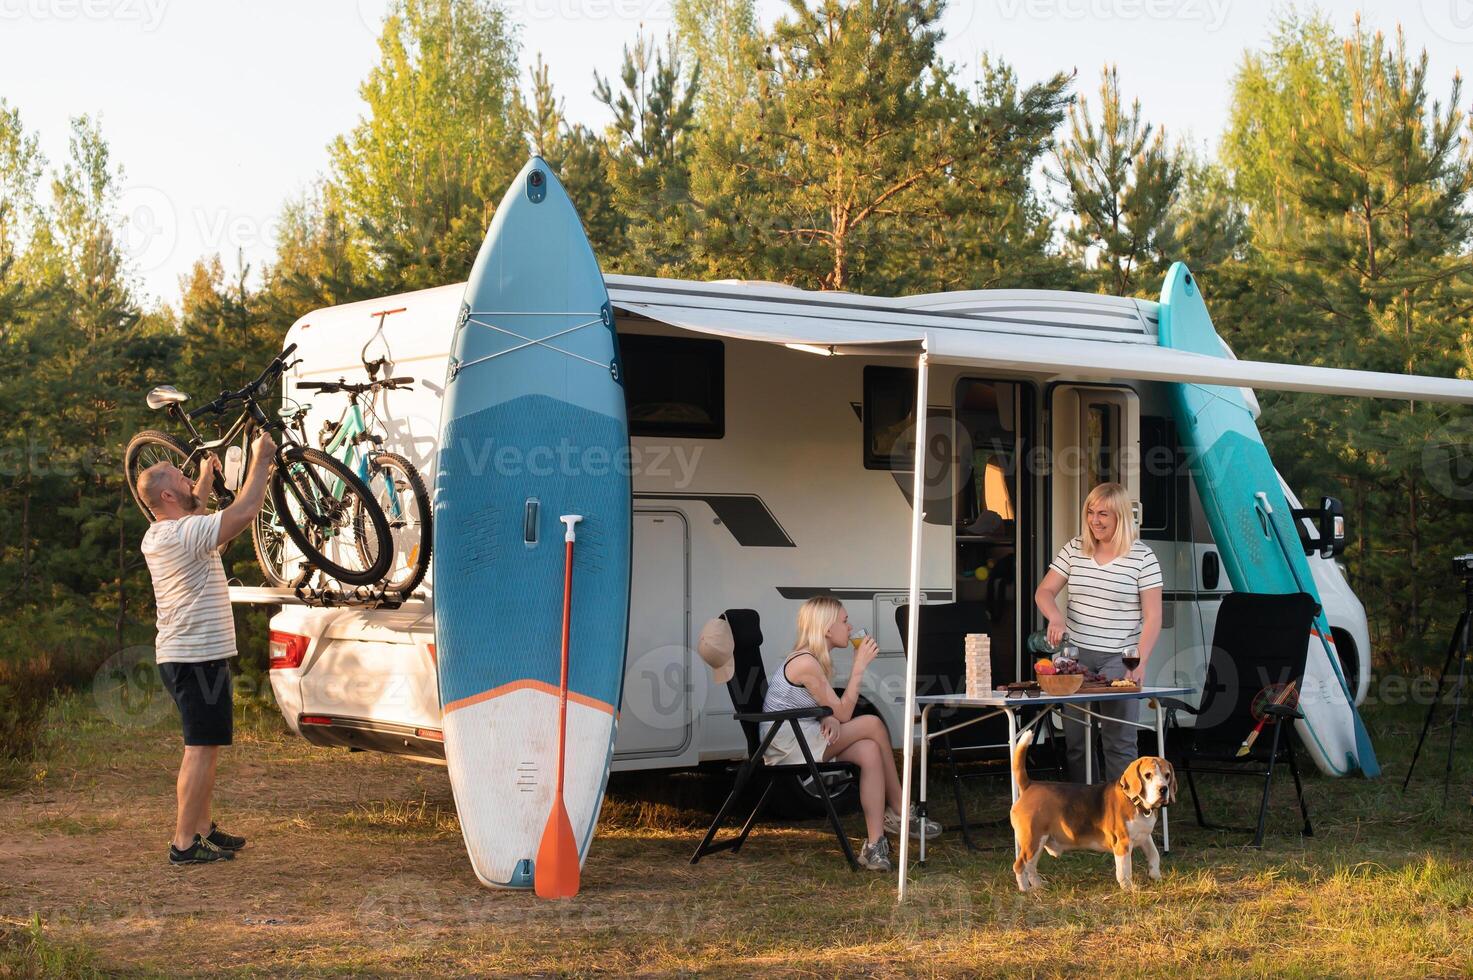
{"x":1113,"y":817}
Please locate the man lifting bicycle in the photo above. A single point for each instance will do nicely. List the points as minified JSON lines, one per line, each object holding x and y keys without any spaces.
{"x":196,"y":629}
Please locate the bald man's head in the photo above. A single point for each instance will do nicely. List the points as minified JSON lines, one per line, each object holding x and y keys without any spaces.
{"x":163,"y":487}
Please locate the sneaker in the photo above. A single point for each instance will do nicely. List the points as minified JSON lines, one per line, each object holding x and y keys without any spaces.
{"x":199,"y":852}
{"x":224,"y":841}
{"x":876,"y":856}
{"x":931,"y":828}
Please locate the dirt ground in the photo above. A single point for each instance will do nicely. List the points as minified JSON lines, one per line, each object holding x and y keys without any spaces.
{"x":355,"y":865}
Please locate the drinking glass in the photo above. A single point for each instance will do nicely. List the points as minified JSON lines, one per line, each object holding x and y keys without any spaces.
{"x":1131,"y":657}
{"x":858,"y":637}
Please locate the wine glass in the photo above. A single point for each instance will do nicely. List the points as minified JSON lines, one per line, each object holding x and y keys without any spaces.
{"x":1131,"y":658}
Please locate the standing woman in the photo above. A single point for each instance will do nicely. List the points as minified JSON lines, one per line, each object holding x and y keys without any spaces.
{"x":1114,"y":602}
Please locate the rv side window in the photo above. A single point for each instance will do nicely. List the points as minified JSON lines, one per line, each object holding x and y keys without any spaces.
{"x":674,"y":386}
{"x":889,"y":418}
{"x":1158,"y":476}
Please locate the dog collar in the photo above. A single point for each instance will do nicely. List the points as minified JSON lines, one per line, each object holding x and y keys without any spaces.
{"x":1139,"y":803}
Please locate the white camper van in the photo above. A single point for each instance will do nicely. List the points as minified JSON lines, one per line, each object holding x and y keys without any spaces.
{"x":772,"y":453}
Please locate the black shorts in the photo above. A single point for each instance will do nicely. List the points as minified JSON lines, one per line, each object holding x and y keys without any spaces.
{"x":203,"y":693}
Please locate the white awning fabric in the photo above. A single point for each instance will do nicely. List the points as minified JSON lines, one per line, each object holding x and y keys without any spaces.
{"x":1102,"y":360}
{"x":885,"y":327}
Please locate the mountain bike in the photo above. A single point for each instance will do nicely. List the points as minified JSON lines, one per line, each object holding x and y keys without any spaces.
{"x":321,"y":505}
{"x":396,"y":486}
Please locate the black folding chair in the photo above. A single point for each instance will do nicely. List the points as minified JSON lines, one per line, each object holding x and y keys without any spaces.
{"x":1259,"y":647}
{"x":748,"y":689}
{"x":941,"y":669}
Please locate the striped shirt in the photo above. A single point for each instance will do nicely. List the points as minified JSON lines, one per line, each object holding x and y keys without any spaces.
{"x":194,"y":618}
{"x":1104,"y":611}
{"x":784,"y":695}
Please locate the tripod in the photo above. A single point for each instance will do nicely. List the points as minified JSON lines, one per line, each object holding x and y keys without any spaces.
{"x":1457,"y":648}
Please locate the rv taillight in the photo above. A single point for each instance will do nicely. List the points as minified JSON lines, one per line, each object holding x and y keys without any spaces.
{"x":433,"y":734}
{"x":287,"y":650}
{"x":315,"y":720}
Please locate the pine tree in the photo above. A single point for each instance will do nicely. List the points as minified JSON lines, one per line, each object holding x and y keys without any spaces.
{"x":722,"y":37}
{"x":581,"y":159}
{"x":1361,"y":227}
{"x":860,"y":149}
{"x":422,"y":172}
{"x":650,"y":145}
{"x":1120,"y":180}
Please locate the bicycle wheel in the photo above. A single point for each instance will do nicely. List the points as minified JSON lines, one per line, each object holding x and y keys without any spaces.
{"x":325,"y":509}
{"x":400,"y":493}
{"x":277,"y":554}
{"x":146,"y":449}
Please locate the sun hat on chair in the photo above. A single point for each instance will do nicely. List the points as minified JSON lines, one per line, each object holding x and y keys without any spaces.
{"x":716,"y":647}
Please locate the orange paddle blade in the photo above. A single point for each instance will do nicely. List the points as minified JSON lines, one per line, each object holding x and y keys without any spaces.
{"x":556,"y":872}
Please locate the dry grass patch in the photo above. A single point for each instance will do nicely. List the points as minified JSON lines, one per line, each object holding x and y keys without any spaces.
{"x":356,"y":865}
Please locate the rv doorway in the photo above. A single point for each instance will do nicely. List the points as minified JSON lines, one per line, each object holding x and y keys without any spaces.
{"x":993,"y":437}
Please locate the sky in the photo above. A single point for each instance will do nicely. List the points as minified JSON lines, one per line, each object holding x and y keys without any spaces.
{"x":221,"y":110}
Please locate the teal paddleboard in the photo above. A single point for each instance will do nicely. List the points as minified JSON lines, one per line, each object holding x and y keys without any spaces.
{"x":532,"y":428}
{"x":1252,"y":526}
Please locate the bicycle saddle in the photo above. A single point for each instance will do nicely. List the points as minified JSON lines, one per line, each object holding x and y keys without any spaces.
{"x":165,"y":395}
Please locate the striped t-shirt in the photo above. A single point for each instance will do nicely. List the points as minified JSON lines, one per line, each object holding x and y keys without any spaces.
{"x":1104,"y":611}
{"x":194,"y":618}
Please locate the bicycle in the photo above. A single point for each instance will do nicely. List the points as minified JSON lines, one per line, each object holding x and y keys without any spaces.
{"x":395,"y":484}
{"x":321,"y":504}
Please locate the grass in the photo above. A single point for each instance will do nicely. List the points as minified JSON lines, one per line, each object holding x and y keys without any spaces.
{"x":356,"y":865}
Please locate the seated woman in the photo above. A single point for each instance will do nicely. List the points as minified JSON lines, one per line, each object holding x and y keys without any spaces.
{"x":1114,"y":604}
{"x":804,"y":682}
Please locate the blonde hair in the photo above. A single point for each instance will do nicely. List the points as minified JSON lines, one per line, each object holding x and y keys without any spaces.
{"x":1113,"y":496}
{"x":814,"y":621}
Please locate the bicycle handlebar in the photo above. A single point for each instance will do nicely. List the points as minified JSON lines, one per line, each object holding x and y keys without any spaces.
{"x":330,"y":387}
{"x":273,"y":370}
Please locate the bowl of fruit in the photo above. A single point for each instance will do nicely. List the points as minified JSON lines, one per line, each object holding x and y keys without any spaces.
{"x":1059,"y":676}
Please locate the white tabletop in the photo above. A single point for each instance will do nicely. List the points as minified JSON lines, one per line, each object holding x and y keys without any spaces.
{"x":1002,"y":699}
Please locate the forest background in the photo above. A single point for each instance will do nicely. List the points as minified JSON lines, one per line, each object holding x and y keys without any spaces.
{"x":834,"y":149}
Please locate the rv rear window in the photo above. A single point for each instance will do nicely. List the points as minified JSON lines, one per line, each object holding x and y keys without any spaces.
{"x":674,"y":386}
{"x":889,"y":418}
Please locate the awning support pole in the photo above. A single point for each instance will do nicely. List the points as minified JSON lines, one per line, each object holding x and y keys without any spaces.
{"x":913,"y":621}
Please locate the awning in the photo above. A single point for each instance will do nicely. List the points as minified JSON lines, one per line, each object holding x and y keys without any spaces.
{"x":1104,"y":360}
{"x":1028,"y":332}
{"x":844,"y":336}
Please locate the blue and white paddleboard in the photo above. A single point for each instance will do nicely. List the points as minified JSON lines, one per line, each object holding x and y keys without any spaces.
{"x":532,"y":427}
{"x":1258,"y":544}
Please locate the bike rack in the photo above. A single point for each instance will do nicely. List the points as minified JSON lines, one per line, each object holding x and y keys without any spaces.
{"x":368,"y":596}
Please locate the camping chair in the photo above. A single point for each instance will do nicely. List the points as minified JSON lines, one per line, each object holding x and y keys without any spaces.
{"x":748,"y":689}
{"x":1259,"y":647}
{"x":941,"y":636}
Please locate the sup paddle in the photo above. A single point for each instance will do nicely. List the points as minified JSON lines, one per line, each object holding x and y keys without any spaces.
{"x":1365,"y":755}
{"x":556,"y":873}
{"x":1286,"y":693}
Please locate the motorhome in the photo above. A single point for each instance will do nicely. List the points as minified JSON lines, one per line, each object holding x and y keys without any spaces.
{"x":772,"y":452}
